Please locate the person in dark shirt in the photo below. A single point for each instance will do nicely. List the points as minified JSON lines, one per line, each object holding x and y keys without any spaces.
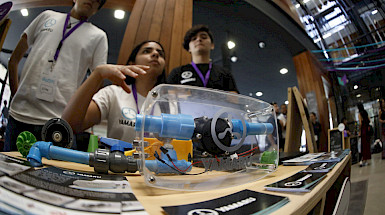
{"x":201,"y":71}
{"x":316,"y":127}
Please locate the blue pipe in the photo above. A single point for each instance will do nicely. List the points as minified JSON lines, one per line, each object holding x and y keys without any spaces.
{"x":48,"y":150}
{"x":182,"y":126}
{"x":167,"y":125}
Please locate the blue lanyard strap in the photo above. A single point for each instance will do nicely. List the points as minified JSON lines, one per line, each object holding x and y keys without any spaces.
{"x":205,"y":79}
{"x":135,"y":94}
{"x":65,"y":35}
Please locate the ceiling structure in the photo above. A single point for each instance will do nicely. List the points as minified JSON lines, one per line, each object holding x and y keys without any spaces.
{"x":257,"y":69}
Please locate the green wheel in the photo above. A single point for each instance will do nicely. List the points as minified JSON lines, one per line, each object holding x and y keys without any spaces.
{"x":24,"y":142}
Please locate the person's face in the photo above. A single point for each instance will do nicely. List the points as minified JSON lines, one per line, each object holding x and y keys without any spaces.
{"x":276,"y":108}
{"x":151,"y":54}
{"x":283,"y":109}
{"x":313,"y":118}
{"x":201,"y":42}
{"x":86,"y":8}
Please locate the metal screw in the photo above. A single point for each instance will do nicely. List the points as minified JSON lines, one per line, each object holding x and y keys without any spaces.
{"x":154,"y":94}
{"x":227,"y":153}
{"x":56,"y":136}
{"x":198,"y":136}
{"x":151,"y":179}
{"x":204,"y":154}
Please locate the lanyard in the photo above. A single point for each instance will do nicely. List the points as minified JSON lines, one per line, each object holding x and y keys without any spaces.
{"x":65,"y":35}
{"x":205,"y":79}
{"x":135,"y":94}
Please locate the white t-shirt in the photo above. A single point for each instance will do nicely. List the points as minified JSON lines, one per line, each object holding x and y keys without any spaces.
{"x":85,"y":48}
{"x":282,"y":118}
{"x":119,"y":108}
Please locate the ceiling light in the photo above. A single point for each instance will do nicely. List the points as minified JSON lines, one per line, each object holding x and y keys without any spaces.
{"x":261,"y":45}
{"x":250,"y":94}
{"x":230,"y":44}
{"x":355,"y":87}
{"x":305,"y":1}
{"x":297,"y":6}
{"x":358,"y":95}
{"x":24,"y":12}
{"x":258,"y":94}
{"x":286,"y":102}
{"x":374,"y":12}
{"x":234,"y":59}
{"x":119,"y":14}
{"x":283,"y":71}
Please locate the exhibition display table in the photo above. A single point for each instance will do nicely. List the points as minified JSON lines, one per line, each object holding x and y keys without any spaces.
{"x":321,"y":199}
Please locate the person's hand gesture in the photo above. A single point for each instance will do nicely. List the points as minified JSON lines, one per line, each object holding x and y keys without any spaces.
{"x":117,"y":73}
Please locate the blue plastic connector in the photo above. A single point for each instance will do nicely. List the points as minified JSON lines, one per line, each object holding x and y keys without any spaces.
{"x":179,"y":126}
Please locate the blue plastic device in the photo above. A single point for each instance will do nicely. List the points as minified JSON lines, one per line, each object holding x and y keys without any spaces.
{"x":182,"y":126}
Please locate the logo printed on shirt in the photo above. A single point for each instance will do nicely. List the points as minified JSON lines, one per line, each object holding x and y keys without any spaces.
{"x":128,"y":113}
{"x":187,"y":74}
{"x":50,"y":23}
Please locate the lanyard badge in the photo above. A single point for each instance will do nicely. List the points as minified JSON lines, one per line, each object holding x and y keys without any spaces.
{"x":48,"y":80}
{"x":205,"y":79}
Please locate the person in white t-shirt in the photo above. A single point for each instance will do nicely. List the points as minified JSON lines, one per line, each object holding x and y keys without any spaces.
{"x":63,"y":47}
{"x":282,"y":120}
{"x":118,"y":103}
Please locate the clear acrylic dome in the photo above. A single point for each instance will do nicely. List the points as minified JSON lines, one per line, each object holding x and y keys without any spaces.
{"x":193,"y":138}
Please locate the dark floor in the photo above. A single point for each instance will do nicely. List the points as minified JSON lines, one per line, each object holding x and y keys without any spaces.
{"x":373,"y":178}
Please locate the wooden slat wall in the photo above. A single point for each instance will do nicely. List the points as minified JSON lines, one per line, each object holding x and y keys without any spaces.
{"x":309,"y":72}
{"x":165,"y":21}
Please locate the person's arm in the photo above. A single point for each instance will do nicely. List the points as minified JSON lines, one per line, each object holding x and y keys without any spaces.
{"x":81,"y":112}
{"x":360,"y":121}
{"x":379,"y":118}
{"x":17,"y":55}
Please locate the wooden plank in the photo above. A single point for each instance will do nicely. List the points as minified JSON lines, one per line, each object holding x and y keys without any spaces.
{"x":157,"y":20}
{"x":167,"y":30}
{"x":130,"y":33}
{"x":293,"y":124}
{"x":177,"y":35}
{"x":187,"y":24}
{"x":305,"y":118}
{"x":145,"y":22}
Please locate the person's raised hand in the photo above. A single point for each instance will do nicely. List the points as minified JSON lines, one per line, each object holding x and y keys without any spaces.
{"x":117,"y":73}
